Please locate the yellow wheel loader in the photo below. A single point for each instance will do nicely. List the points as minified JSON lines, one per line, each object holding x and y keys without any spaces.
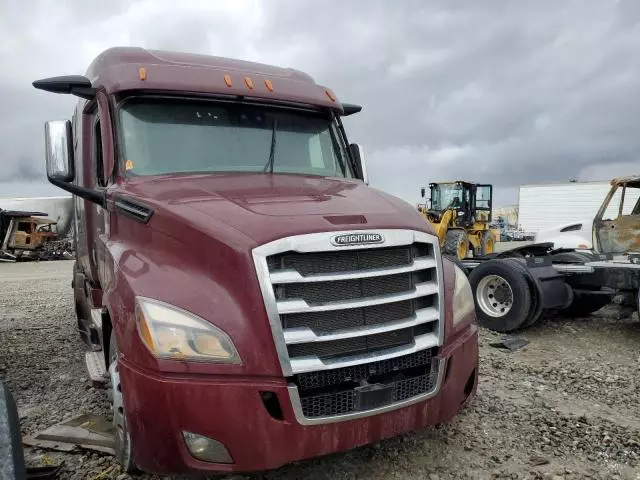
{"x":460,"y":213}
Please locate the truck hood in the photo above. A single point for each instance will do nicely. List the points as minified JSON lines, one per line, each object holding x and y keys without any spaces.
{"x":264,"y":207}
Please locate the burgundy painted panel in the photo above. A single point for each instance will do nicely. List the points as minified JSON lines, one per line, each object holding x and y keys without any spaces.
{"x":231,"y":412}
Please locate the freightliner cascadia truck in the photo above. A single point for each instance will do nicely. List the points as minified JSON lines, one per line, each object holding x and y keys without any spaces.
{"x":246,"y":298}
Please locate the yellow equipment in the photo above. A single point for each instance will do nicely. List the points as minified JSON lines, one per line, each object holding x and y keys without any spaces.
{"x":460,"y":213}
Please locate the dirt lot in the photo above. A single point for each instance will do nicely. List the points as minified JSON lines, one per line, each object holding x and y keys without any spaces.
{"x":563,"y":407}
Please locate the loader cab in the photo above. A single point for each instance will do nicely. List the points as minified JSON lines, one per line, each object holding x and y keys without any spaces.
{"x":616,"y":227}
{"x":471,"y":201}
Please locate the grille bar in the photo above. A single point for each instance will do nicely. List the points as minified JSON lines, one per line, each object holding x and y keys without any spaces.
{"x":310,"y":364}
{"x":306,"y":335}
{"x":301,"y":306}
{"x":293,"y":276}
{"x":336,"y":376}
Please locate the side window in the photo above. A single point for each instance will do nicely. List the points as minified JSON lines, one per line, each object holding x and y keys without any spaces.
{"x":483,"y":197}
{"x":97,"y":153}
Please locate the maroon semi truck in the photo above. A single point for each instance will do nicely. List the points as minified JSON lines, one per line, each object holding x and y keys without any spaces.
{"x":247,"y":299}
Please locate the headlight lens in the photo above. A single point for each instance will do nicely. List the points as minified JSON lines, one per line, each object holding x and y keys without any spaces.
{"x":172,"y":333}
{"x":462,"y":297}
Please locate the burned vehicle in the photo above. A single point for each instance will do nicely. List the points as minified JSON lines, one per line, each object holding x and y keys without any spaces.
{"x":24,"y":235}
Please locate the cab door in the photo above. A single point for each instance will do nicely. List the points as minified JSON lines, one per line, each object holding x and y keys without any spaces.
{"x":482,"y":203}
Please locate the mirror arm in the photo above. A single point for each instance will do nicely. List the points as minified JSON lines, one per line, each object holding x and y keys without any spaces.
{"x":95,"y":196}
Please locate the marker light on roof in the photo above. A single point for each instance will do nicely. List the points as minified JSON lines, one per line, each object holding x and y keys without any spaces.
{"x":227,"y":80}
{"x":269,"y":85}
{"x":330,"y":94}
{"x":142,"y":73}
{"x":249,"y":83}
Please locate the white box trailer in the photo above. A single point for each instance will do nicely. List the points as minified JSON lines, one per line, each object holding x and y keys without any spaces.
{"x":545,"y":206}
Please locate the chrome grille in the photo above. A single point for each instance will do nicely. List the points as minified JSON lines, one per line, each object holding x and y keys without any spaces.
{"x":334,"y":307}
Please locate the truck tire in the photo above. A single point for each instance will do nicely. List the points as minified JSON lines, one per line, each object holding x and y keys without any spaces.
{"x":456,"y":243}
{"x":488,"y":242}
{"x":502,"y":295}
{"x":12,"y":466}
{"x":536,"y":304}
{"x":122,"y":439}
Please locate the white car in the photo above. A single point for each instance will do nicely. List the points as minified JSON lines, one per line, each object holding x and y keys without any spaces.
{"x":576,"y":235}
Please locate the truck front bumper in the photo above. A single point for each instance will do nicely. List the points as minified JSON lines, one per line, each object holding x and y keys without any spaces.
{"x":232,"y":412}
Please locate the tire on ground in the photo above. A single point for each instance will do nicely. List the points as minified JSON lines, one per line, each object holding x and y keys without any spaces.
{"x":123,"y":450}
{"x":488,"y":242}
{"x":455,"y":242}
{"x":536,"y":302}
{"x":518,"y":314}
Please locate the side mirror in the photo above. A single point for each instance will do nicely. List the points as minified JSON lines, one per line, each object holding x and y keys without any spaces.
{"x":59,"y":150}
{"x":422,"y":192}
{"x":361,"y":167}
{"x":60,"y":165}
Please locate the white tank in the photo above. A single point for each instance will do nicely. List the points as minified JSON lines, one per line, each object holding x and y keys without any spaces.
{"x":59,"y":209}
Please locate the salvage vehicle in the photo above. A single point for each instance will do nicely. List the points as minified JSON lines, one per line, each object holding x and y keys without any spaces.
{"x":615,"y":227}
{"x":513,"y":289}
{"x":247,"y":298}
{"x":460,"y":213}
{"x":24,"y":234}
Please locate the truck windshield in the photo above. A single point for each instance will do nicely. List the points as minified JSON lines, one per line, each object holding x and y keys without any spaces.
{"x":171,"y":136}
{"x":445,"y":195}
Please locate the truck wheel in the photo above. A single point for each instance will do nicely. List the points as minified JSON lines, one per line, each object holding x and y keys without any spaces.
{"x":488,"y":242}
{"x":457,"y":243}
{"x":536,"y":305}
{"x":122,"y":440}
{"x":502,"y":295}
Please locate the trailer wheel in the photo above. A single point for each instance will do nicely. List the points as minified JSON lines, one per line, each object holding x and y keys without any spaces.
{"x":502,"y":295}
{"x":536,"y":304}
{"x":488,"y":242}
{"x":122,"y":439}
{"x":457,"y":243}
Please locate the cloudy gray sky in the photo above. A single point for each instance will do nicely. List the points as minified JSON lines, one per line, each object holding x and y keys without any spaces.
{"x":507,"y":92}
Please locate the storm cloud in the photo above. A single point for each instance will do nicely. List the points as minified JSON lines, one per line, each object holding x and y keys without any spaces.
{"x":493,"y":91}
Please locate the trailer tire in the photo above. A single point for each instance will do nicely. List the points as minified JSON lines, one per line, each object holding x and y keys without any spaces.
{"x":122,"y":439}
{"x":456,"y":243}
{"x":502,"y":295}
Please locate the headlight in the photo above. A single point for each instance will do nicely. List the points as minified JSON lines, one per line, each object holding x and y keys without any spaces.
{"x":172,"y":333}
{"x":462,"y":296}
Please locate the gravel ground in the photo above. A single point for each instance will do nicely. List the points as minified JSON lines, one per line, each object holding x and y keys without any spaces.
{"x":563,"y":407}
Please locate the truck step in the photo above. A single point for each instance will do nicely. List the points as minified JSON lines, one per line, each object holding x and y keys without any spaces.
{"x":96,"y":368}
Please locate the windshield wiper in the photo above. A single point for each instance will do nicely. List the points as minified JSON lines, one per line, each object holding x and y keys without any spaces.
{"x":272,"y":152}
